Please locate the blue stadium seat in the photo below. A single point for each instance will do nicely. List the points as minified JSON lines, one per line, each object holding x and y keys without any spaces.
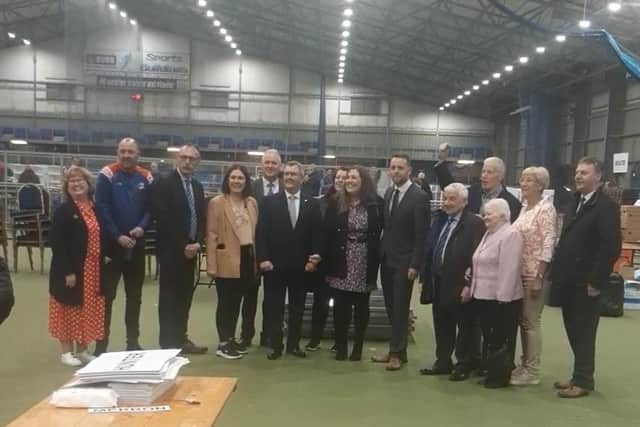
{"x":252,"y":144}
{"x":20,"y":133}
{"x":267,"y":143}
{"x":46,"y":134}
{"x":279,"y":145}
{"x":33,"y":134}
{"x":203,"y":141}
{"x":177,"y":140}
{"x":7,"y":131}
{"x":97,"y":137}
{"x":228,"y":144}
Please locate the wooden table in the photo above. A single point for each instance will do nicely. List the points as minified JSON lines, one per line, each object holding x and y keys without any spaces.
{"x":212,"y":393}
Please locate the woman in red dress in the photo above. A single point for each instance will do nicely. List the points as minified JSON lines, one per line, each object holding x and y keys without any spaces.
{"x":76,"y":303}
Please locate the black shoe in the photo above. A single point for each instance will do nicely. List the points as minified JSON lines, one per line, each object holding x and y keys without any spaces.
{"x":459,"y":374}
{"x":227,"y":351}
{"x":100,"y":348}
{"x":297,"y":353}
{"x":264,"y":341}
{"x":481,"y":372}
{"x":239,"y":346}
{"x":245,"y":343}
{"x":134,"y":347}
{"x":356,"y":356}
{"x":188,"y":347}
{"x":436,"y":369}
{"x":333,"y":348}
{"x":312,"y":346}
{"x":274,"y":355}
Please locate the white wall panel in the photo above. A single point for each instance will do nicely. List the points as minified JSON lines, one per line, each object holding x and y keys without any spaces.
{"x":17,"y":63}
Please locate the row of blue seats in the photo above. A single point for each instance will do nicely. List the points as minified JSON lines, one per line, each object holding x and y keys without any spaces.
{"x":156,"y":140}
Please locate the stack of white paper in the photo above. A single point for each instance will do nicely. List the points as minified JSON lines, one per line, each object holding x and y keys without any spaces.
{"x":138,"y":377}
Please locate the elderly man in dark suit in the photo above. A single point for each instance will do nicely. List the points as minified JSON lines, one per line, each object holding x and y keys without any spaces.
{"x":453,"y":239}
{"x":402,"y":249}
{"x":180,"y":212}
{"x":269,"y":184}
{"x":288,"y":245}
{"x":589,"y":245}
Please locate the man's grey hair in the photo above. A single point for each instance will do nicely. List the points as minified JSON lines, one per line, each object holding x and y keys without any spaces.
{"x":497,"y":163}
{"x":272,"y":152}
{"x":501,"y":207}
{"x":460,"y":189}
{"x":294,"y":163}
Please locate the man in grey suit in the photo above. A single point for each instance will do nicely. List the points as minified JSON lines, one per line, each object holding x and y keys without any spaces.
{"x":269,"y":184}
{"x":402,"y":248}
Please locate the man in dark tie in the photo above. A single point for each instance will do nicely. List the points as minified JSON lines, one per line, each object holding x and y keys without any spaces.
{"x":589,"y":245}
{"x":402,"y":249}
{"x":454,"y":237}
{"x":179,"y":209}
{"x":288,"y":245}
{"x":269,"y":184}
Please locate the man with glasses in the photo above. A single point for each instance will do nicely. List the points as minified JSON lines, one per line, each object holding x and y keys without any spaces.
{"x":122,"y":191}
{"x":179,"y":209}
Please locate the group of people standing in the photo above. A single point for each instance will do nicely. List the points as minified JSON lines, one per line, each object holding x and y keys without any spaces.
{"x":483,"y":261}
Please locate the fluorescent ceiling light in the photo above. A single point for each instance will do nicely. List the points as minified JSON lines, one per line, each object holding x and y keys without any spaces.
{"x":541,"y":49}
{"x":348,"y":12}
{"x":173,"y":149}
{"x":339,"y":80}
{"x":508,"y":68}
{"x":202,"y":3}
{"x":467,"y":92}
{"x":18,"y":142}
{"x":561,"y":38}
{"x":133,"y":22}
{"x":12,"y":35}
{"x":453,"y":101}
{"x":466,"y":162}
{"x":343,"y":51}
{"x":26,"y":42}
{"x":523,"y":59}
{"x":345,"y":34}
{"x":233,"y":45}
{"x":584,"y":23}
{"x":447,"y":104}
{"x":460,"y":96}
{"x":123,"y":13}
{"x":238,"y":52}
{"x":228,"y":38}
{"x":113,"y":6}
{"x":496,"y":75}
{"x":223,"y":31}
{"x":476,"y":87}
{"x":344,"y":43}
{"x":485,"y":82}
{"x":349,"y":1}
{"x":216,"y":23}
{"x":346,"y":23}
{"x":255,"y":153}
{"x":210,"y":14}
{"x":441,"y":108}
{"x":614,"y":6}
{"x":329,"y":156}
{"x":341,"y":64}
{"x":342,"y":57}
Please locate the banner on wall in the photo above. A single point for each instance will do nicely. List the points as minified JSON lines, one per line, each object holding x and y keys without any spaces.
{"x":620,"y":162}
{"x":148,"y":64}
{"x":128,"y":82}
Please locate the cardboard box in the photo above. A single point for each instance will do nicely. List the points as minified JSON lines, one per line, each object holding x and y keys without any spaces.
{"x":629,"y":217}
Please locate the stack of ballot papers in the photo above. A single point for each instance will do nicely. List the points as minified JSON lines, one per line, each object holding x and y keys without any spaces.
{"x":137,"y":377}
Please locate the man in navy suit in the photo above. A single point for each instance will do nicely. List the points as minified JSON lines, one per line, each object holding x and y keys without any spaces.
{"x":288,"y":245}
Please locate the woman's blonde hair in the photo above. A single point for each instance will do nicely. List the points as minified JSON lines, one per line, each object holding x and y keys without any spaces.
{"x":539,"y":173}
{"x":75,"y":171}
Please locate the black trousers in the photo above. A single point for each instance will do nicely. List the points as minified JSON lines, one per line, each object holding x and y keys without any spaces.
{"x":397,"y":289}
{"x":5,"y":307}
{"x":499,"y":322}
{"x":249,"y":310}
{"x":277,"y":285}
{"x":581,"y":315}
{"x":320,"y":308}
{"x":128,"y":264}
{"x":453,"y":325}
{"x":175,"y":295}
{"x":344,"y":303}
{"x":230,"y":294}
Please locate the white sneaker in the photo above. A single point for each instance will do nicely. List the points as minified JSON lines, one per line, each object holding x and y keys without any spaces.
{"x":525,"y":378}
{"x":70,"y":360}
{"x":85,"y":356}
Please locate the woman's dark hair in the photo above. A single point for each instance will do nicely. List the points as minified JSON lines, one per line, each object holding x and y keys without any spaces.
{"x":332,"y":190}
{"x":368,"y":192}
{"x":246,"y":192}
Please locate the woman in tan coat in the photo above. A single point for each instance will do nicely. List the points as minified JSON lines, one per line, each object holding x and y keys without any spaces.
{"x":231,"y":226}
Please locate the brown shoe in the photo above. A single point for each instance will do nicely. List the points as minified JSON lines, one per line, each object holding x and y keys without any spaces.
{"x":562,"y":385}
{"x":393,"y":364}
{"x":380,"y":358}
{"x":573,"y":392}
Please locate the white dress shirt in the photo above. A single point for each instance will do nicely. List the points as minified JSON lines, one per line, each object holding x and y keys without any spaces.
{"x":403,"y":190}
{"x":586,"y":197}
{"x":265,"y":186}
{"x":296,"y":202}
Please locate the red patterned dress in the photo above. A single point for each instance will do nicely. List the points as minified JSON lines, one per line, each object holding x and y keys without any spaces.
{"x":85,"y":323}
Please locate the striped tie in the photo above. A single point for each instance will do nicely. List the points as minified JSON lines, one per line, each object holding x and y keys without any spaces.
{"x":193,"y":224}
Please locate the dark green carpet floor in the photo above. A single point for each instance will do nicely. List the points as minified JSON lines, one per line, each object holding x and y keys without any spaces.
{"x":319,"y":391}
